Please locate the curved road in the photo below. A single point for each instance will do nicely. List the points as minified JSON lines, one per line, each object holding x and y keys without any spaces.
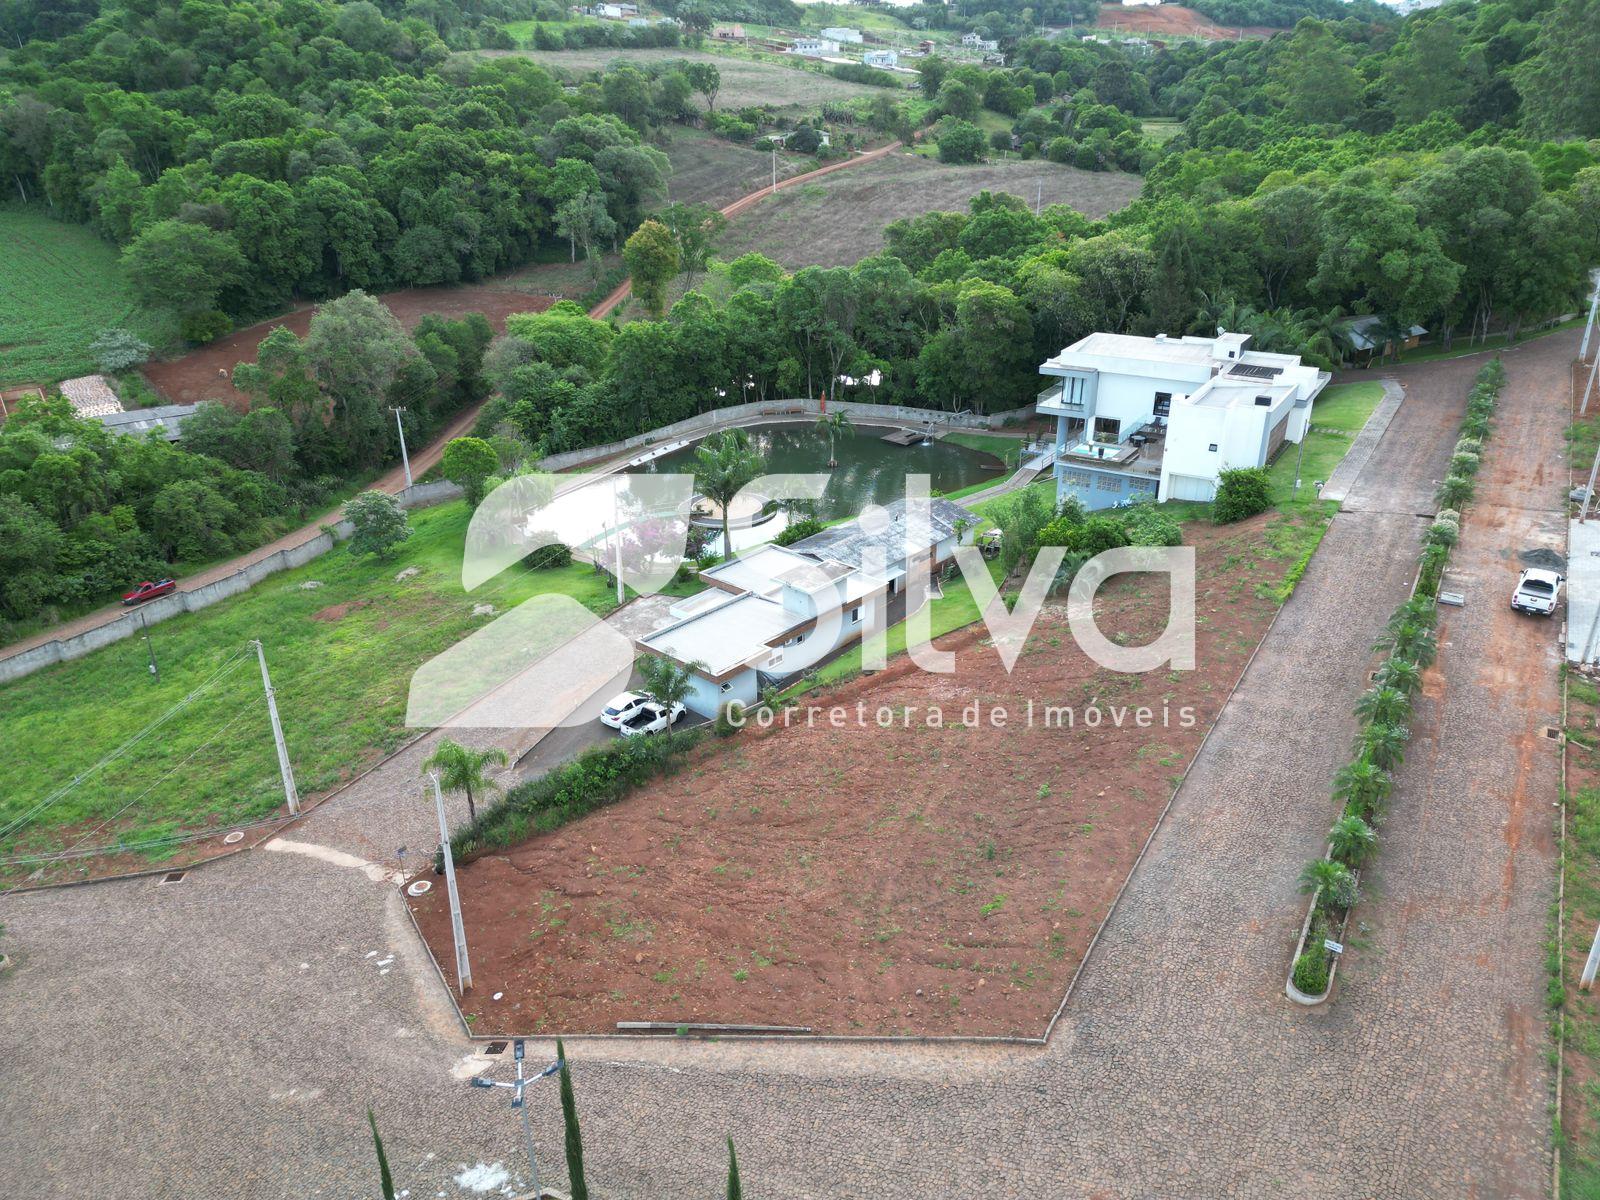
{"x":235,"y":1026}
{"x":422,"y":461}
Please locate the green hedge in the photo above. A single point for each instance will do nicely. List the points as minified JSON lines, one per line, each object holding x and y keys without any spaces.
{"x":596,"y":778}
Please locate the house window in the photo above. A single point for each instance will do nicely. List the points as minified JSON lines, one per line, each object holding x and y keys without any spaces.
{"x":855,"y":615}
{"x":1076,"y":478}
{"x":1163,"y":405}
{"x":1212,"y":447}
{"x":1106,"y":429}
{"x":775,"y":658}
{"x":726,"y":687}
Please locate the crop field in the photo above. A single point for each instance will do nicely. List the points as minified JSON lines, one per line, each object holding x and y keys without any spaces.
{"x":710,"y":170}
{"x":60,"y":285}
{"x":839,"y":219}
{"x":342,"y":637}
{"x":746,"y":80}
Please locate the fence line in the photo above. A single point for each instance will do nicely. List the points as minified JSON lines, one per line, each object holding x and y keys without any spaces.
{"x":178,"y":603}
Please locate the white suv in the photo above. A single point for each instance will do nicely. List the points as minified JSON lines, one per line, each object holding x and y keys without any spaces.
{"x":1537,"y":592}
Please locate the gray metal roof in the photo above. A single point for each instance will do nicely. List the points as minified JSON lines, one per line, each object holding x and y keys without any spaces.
{"x":850,"y":544}
{"x":168,"y":418}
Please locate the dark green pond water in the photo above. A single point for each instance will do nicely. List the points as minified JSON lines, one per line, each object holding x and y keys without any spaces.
{"x":870,"y":470}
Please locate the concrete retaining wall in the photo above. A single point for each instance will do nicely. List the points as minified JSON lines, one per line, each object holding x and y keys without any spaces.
{"x":746,"y":414}
{"x":153,"y":613}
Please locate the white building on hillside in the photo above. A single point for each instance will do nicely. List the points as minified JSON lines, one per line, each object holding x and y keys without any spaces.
{"x":777,"y":610}
{"x":811,"y":47}
{"x":1161,"y":417}
{"x":842,"y":34}
{"x":881,"y":58}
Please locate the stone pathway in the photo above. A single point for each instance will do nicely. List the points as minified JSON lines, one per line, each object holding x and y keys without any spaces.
{"x":238,"y":1024}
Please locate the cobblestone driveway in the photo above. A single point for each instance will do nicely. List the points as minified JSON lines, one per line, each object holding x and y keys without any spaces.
{"x":237,"y":1024}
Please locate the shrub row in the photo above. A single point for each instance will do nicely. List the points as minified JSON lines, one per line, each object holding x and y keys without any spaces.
{"x":1362,"y":786}
{"x":597,"y":777}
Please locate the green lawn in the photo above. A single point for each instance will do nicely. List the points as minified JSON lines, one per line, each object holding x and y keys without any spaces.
{"x":1345,"y":407}
{"x":1006,"y":449}
{"x":60,"y":285}
{"x":341,"y":656}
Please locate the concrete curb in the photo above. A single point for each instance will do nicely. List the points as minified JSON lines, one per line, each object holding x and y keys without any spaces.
{"x":1344,"y":476}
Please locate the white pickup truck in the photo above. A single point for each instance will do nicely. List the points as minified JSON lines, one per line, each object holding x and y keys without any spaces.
{"x":1537,"y":592}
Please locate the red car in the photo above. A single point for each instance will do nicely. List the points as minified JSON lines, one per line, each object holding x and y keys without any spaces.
{"x":149,"y":591}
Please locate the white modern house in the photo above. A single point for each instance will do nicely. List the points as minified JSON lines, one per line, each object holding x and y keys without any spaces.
{"x":1162,"y":417}
{"x":842,"y":34}
{"x":810,"y":47}
{"x":775,"y":610}
{"x":881,"y":58}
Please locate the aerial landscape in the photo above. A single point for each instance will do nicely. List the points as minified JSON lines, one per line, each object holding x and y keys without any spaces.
{"x":721,"y":597}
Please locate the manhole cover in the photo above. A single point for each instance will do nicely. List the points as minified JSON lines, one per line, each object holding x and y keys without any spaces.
{"x":419,"y":888}
{"x":495,"y":1048}
{"x":173,"y":877}
{"x":234,"y":838}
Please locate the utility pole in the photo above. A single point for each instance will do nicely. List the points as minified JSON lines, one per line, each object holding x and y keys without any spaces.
{"x":519,"y":1102}
{"x":463,"y":966}
{"x":1038,"y":197}
{"x":774,"y":170}
{"x":144,"y":626}
{"x":284,"y":769}
{"x":405,"y":459}
{"x":1588,"y":326}
{"x":1589,"y":387}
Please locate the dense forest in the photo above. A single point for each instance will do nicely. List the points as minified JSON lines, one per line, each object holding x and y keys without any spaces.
{"x":245,"y":154}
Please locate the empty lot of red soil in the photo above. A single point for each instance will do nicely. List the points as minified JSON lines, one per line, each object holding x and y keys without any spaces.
{"x":1175,"y":21}
{"x":907,"y":879}
{"x":206,"y":373}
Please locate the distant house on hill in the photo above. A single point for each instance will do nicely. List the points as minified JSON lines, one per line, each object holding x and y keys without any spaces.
{"x":881,"y":58}
{"x":728,"y":33}
{"x":973,"y":42}
{"x":811,"y":47}
{"x":842,"y":34}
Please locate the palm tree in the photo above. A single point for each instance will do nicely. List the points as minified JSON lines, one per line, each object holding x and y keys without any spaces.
{"x":1383,"y":745}
{"x":1363,"y":787}
{"x":834,"y":424}
{"x":1352,"y":839}
{"x":1411,"y":641}
{"x":735,"y":1188}
{"x":1384,"y":706}
{"x":1400,"y":675}
{"x":1333,"y":879}
{"x":722,"y":468}
{"x":665,"y":681}
{"x":463,"y":769}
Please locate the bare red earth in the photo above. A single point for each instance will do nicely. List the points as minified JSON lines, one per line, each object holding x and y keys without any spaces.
{"x":900,"y":880}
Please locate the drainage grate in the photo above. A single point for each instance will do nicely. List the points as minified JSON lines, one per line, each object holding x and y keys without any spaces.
{"x":1551,"y":732}
{"x":495,"y":1048}
{"x":173,"y":876}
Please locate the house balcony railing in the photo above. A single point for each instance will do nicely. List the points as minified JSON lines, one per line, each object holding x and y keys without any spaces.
{"x":1053,"y":401}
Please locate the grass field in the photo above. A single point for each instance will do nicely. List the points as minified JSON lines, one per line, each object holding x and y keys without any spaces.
{"x":839,"y":219}
{"x":746,"y":79}
{"x":341,"y":656}
{"x":60,"y":285}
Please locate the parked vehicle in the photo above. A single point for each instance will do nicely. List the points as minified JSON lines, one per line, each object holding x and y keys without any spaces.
{"x":620,"y":707}
{"x":149,"y":591}
{"x":1537,"y":592}
{"x":651,"y":718}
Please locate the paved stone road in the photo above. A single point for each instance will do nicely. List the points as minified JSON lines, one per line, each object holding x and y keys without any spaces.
{"x":238,"y":1024}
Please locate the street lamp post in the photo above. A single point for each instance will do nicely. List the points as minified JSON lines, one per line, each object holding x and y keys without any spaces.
{"x":519,"y":1102}
{"x":405,"y":459}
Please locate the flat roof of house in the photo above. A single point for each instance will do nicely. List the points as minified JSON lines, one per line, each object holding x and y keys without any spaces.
{"x":1227,"y":392}
{"x":726,"y":637}
{"x":851,"y":545}
{"x":758,"y":570}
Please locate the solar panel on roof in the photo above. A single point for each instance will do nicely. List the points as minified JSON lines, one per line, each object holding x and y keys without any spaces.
{"x":1255,"y":371}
